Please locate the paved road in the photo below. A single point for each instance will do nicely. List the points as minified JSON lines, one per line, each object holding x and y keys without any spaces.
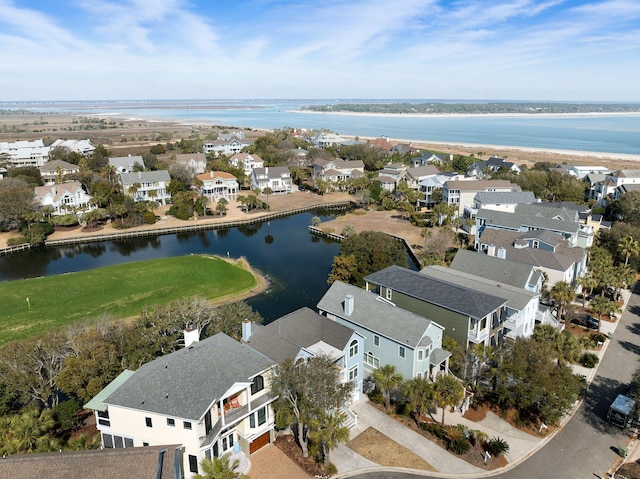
{"x":586,"y":445}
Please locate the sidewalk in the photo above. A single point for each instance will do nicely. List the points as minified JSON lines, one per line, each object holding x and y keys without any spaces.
{"x":521,"y":444}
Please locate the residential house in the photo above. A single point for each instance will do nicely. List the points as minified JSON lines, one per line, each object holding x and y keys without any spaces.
{"x":499,"y":270}
{"x":413,"y":176}
{"x":548,"y":251}
{"x":82,"y":147}
{"x":225,"y":147}
{"x":147,"y":186}
{"x":392,"y":335}
{"x":428,"y":157}
{"x":597,"y":222}
{"x":25,"y":153}
{"x":382,"y":143}
{"x":581,"y":172}
{"x":211,"y":397}
{"x":462,"y":193}
{"x":470,"y":317}
{"x":304,"y":334}
{"x":430,"y":183}
{"x":278,"y":178}
{"x":127,"y":164}
{"x":57,"y":170}
{"x":247,"y":162}
{"x":196,"y":163}
{"x":558,"y":218}
{"x":326,"y":140}
{"x":522,"y":306}
{"x":299,"y":157}
{"x":333,"y":171}
{"x":64,"y":198}
{"x":403,"y":149}
{"x":390,"y":175}
{"x":483,"y":169}
{"x":219,"y":184}
{"x":612,"y":187}
{"x":153,"y":462}
{"x":494,"y":200}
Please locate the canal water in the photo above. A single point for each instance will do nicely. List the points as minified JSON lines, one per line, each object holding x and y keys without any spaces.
{"x":295,"y":262}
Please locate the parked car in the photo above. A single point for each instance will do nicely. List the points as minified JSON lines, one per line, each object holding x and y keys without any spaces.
{"x":587,"y":321}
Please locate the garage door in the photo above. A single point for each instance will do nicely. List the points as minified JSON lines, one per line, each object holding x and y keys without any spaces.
{"x":259,"y":442}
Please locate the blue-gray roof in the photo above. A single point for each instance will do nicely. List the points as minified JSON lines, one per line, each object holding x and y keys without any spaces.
{"x":187,"y":382}
{"x":440,"y":293}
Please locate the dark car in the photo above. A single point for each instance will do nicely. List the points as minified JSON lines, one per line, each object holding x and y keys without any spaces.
{"x":587,"y":321}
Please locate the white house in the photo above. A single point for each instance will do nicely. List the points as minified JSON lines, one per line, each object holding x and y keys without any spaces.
{"x":247,"y":162}
{"x":494,"y":200}
{"x":304,"y":334}
{"x":147,"y":185}
{"x":212,"y":397}
{"x":64,"y":198}
{"x":126,"y":164}
{"x":278,"y":178}
{"x":219,"y":184}
{"x":196,"y":163}
{"x":56,"y":171}
{"x":82,"y":147}
{"x":462,"y":193}
{"x":25,"y":153}
{"x":226,"y":147}
{"x":337,"y":169}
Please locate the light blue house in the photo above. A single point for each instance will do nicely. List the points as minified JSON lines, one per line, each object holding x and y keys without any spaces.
{"x":411,"y":343}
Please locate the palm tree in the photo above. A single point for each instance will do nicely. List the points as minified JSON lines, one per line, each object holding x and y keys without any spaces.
{"x":588,"y":281}
{"x":267,"y":191}
{"x":219,"y":468}
{"x":387,"y":379}
{"x":629,"y":247}
{"x":448,"y":392}
{"x":328,"y":430}
{"x":420,"y":396}
{"x":562,"y":293}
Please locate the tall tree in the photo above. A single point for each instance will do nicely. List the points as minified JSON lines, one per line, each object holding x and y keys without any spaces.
{"x":220,"y":468}
{"x":629,"y":247}
{"x":420,"y":395}
{"x":307,"y":389}
{"x":16,"y":198}
{"x":328,"y":430}
{"x":387,"y":379}
{"x":563,"y":294}
{"x":448,"y":392}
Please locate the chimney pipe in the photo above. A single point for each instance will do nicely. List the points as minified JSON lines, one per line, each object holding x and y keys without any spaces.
{"x":348,"y":304}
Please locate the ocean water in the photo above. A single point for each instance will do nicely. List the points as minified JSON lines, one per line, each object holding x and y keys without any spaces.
{"x":592,"y":133}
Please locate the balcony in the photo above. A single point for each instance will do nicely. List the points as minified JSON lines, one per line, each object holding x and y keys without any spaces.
{"x":478,"y":336}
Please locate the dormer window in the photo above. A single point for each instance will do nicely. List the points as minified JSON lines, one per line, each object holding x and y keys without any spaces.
{"x":257,"y":384}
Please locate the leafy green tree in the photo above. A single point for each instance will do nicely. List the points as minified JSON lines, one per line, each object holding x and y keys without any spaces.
{"x":372,"y":251}
{"x":222,"y":206}
{"x":16,"y":198}
{"x":28,"y":432}
{"x":306,"y":389}
{"x":627,"y":207}
{"x":343,"y":268}
{"x":267,"y":191}
{"x":629,"y":247}
{"x":420,"y":395}
{"x":563,"y":294}
{"x":448,"y":392}
{"x":387,"y":379}
{"x":328,"y":430}
{"x":601,"y":305}
{"x":220,"y":468}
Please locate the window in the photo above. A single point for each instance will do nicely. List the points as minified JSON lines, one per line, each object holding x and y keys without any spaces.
{"x":402,"y":352}
{"x":186,"y":425}
{"x":193,"y":463}
{"x":257,"y":384}
{"x":419,"y":375}
{"x":227,"y":442}
{"x":371,"y":360}
{"x":353,"y":373}
{"x":171,"y":422}
{"x":103,"y":418}
{"x":376,"y":340}
{"x":145,"y":444}
{"x":147,"y":420}
{"x":353,"y":348}
{"x":111,"y":441}
{"x":420,"y":355}
{"x":388,"y":294}
{"x":258,"y":418}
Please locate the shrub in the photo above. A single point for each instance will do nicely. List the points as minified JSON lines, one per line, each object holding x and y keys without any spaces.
{"x":496,"y":446}
{"x":149,"y":217}
{"x":376,"y":397}
{"x":457,"y":438}
{"x":64,"y":220}
{"x":17,"y":241}
{"x":589,"y":360}
{"x":332,"y":470}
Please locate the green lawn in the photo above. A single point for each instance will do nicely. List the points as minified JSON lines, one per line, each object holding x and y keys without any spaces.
{"x":119,"y":291}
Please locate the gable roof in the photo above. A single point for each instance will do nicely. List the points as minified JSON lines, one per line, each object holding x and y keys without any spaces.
{"x":496,"y":269}
{"x":53,"y":165}
{"x":440,"y":293}
{"x":186,"y":382}
{"x":58,"y":190}
{"x":304,"y":328}
{"x":126,"y":161}
{"x":480,"y":185}
{"x":145,"y":177}
{"x":187,"y":157}
{"x":505,"y":197}
{"x":122,"y":463}
{"x":516,"y":221}
{"x":375,"y":314}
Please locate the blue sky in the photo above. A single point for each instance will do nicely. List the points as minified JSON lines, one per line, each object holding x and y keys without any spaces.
{"x":188,"y":49}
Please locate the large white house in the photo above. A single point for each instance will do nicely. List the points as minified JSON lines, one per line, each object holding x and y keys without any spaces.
{"x":25,"y":153}
{"x":212,"y":397}
{"x":219,"y":184}
{"x":247,"y":162}
{"x":147,"y":185}
{"x":64,"y":198}
{"x":82,"y":147}
{"x":278,"y":178}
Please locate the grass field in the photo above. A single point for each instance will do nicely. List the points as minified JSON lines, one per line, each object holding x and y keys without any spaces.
{"x":31,"y":306}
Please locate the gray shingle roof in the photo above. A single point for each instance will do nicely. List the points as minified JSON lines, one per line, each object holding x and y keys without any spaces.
{"x":375,"y":315}
{"x":495,"y":269}
{"x":284,"y":337}
{"x":185,"y":383}
{"x":517,"y":298}
{"x":145,"y":177}
{"x":505,"y":197}
{"x":441,"y":293}
{"x":517,"y":220}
